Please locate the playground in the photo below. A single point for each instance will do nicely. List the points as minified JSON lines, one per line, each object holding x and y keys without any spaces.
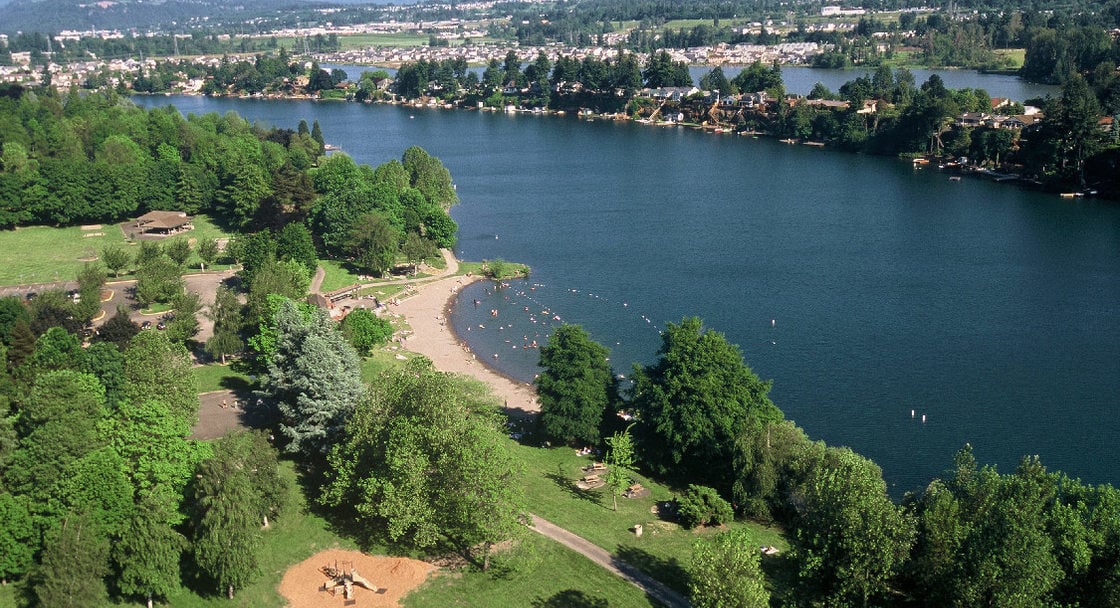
{"x":326,"y":578}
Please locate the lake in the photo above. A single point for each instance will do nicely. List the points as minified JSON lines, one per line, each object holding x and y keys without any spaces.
{"x":865,"y":289}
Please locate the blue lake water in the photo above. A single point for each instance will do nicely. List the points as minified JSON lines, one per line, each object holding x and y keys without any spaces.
{"x":862,"y":287}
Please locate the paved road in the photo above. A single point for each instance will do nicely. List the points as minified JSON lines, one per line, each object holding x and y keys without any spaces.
{"x":653,"y":588}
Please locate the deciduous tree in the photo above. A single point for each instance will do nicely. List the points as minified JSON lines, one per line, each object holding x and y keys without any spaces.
{"x":225,"y":312}
{"x":159,"y":370}
{"x":184,"y":325}
{"x":851,"y":539}
{"x":703,"y":506}
{"x":119,"y":329}
{"x":373,"y":243}
{"x":694,"y":402}
{"x":620,"y":463}
{"x":17,"y":537}
{"x":115,"y":259}
{"x":158,"y":280}
{"x":364,"y":330}
{"x":423,"y":460}
{"x":207,"y":251}
{"x":576,"y":386}
{"x":725,"y":572}
{"x":179,"y":250}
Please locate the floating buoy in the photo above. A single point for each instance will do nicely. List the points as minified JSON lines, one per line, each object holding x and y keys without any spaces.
{"x":911,"y":413}
{"x":923,"y":417}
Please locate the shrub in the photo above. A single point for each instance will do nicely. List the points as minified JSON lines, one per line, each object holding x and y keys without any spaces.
{"x":364,"y":330}
{"x":703,"y":506}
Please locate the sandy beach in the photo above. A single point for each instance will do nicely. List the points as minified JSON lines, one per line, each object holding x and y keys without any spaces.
{"x":432,"y":336}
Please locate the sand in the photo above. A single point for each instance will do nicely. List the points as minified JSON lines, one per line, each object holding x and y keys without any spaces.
{"x":433,"y":337}
{"x":302,"y":584}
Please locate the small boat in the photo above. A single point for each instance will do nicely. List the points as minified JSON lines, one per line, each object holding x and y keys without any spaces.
{"x":955,"y":178}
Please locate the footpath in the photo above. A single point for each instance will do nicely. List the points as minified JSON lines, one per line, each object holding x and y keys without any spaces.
{"x":651,"y":586}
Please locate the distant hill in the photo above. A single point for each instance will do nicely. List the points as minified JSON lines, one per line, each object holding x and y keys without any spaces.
{"x":56,"y":15}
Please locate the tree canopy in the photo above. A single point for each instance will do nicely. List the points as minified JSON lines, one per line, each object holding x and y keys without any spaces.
{"x":694,"y":402}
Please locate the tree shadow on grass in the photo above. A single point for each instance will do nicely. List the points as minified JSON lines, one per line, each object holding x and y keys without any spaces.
{"x":669,"y":571}
{"x":569,"y":486}
{"x":570,"y":598}
{"x":782,"y":572}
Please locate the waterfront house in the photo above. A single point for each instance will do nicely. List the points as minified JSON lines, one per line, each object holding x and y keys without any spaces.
{"x":971,"y":119}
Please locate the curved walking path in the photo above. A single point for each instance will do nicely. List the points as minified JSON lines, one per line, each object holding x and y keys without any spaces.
{"x":651,"y":586}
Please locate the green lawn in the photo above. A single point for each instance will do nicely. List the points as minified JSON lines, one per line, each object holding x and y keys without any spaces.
{"x":1016,"y":56}
{"x":663,"y":550}
{"x":41,"y":254}
{"x":338,"y":275}
{"x":217,"y":377}
{"x":547,"y":574}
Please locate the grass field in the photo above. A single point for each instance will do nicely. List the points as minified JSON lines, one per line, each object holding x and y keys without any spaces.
{"x":1016,"y":56}
{"x":664,"y":548}
{"x":41,"y":254}
{"x":217,"y":377}
{"x":548,"y":574}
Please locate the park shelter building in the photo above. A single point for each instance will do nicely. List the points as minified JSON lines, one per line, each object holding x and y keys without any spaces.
{"x":163,"y":223}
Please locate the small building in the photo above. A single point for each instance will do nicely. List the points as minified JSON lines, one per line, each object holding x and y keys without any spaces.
{"x":163,"y":223}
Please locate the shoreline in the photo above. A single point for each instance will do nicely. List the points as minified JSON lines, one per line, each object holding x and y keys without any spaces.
{"x":428,"y":312}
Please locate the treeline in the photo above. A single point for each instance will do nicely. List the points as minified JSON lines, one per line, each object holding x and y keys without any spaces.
{"x":98,"y":158}
{"x":886,"y":112}
{"x":264,"y":73}
{"x":700,"y":417}
{"x":197,"y":43}
{"x":1067,"y":146}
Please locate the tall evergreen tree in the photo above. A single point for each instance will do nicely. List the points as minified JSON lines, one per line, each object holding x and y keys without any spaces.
{"x":312,"y":378}
{"x":74,"y":564}
{"x":149,"y":551}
